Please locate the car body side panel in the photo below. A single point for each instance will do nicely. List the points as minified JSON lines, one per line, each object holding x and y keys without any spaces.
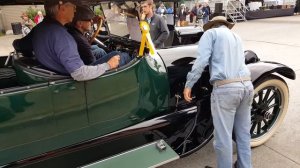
{"x":113,"y":101}
{"x":117,"y":142}
{"x":27,"y":120}
{"x":125,"y":97}
{"x":69,"y":106}
{"x":155,"y":87}
{"x":70,"y":112}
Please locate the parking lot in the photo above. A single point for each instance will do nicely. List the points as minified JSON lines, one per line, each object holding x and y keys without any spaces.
{"x":274,"y":39}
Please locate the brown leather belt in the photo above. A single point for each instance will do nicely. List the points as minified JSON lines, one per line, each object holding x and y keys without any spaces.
{"x":227,"y":81}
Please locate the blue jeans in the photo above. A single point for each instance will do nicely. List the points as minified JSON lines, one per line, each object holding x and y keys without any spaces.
{"x":97,"y":52}
{"x":205,"y":19}
{"x":124,"y":58}
{"x":230,"y":107}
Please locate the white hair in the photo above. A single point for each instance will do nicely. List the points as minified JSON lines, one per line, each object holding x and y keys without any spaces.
{"x":51,"y":11}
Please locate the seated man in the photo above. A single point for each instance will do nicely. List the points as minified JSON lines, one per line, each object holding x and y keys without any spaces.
{"x":81,"y":24}
{"x":57,"y":50}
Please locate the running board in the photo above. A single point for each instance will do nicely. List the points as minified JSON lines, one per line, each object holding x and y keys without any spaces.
{"x":150,"y":155}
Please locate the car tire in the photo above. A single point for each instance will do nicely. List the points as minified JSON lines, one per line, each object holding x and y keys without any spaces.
{"x":269,"y":92}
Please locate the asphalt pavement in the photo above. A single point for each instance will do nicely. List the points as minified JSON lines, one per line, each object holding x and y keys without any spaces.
{"x":6,"y":44}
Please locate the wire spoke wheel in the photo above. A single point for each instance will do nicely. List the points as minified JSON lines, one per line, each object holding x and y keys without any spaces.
{"x":269,"y":107}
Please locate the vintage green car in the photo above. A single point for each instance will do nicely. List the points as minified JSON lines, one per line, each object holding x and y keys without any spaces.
{"x":133,"y":116}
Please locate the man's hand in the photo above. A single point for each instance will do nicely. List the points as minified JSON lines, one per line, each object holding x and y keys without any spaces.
{"x":187,"y":94}
{"x":143,"y":16}
{"x":114,"y":62}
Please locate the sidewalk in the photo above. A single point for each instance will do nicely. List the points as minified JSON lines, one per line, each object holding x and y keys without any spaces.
{"x":6,"y":44}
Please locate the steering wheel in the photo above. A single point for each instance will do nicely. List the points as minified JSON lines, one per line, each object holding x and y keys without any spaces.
{"x":99,"y":25}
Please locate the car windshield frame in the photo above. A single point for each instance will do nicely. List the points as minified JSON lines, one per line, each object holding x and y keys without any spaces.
{"x":121,"y":19}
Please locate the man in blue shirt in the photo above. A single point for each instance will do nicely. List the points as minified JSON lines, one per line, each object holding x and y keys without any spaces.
{"x":232,"y":93}
{"x":56,"y":49}
{"x":206,"y":13}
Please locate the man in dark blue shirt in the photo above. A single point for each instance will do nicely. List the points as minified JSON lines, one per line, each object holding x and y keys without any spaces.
{"x":57,"y":50}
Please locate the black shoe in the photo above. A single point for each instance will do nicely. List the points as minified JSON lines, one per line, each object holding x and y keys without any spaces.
{"x":208,"y":167}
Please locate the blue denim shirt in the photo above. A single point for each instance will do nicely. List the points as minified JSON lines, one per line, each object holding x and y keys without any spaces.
{"x":222,"y":50}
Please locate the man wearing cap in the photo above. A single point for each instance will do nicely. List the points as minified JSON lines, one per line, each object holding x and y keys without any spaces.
{"x":232,"y":93}
{"x":57,"y":50}
{"x":158,"y":27}
{"x":90,"y":53}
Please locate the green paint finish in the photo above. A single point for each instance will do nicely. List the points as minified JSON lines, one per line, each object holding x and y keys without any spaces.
{"x":25,"y":78}
{"x":155,"y":87}
{"x":126,"y":98}
{"x":69,"y":106}
{"x":142,"y":157}
{"x":59,"y":114}
{"x":26,"y":117}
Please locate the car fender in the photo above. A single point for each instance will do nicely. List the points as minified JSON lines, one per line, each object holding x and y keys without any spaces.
{"x":262,"y":69}
{"x":169,"y":55}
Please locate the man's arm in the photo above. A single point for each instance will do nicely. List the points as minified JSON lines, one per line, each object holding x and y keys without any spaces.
{"x":90,"y":72}
{"x":204,"y":52}
{"x":203,"y":55}
{"x":164,"y":32}
{"x":86,"y":72}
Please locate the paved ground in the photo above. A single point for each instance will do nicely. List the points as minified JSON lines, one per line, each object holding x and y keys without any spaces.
{"x":275,"y":39}
{"x":6,"y":44}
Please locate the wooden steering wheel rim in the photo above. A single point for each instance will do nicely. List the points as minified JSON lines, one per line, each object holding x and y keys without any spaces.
{"x":99,"y":25}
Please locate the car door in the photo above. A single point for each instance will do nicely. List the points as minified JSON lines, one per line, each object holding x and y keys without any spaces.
{"x":69,"y":107}
{"x":113,"y":100}
{"x":26,"y":122}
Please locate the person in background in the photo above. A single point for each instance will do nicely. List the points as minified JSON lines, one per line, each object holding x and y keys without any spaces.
{"x":158,"y":27}
{"x":170,"y":10}
{"x":182,"y":15}
{"x":161,"y":10}
{"x":199,"y":17}
{"x":206,"y":13}
{"x":193,"y":13}
{"x":27,"y":24}
{"x":232,"y":93}
{"x":39,"y":17}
